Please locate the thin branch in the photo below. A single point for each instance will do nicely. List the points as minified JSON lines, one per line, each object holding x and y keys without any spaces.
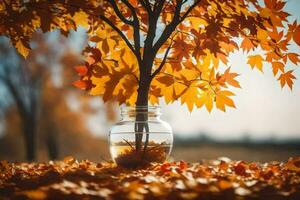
{"x":192,"y":80}
{"x":118,"y":12}
{"x":163,"y":61}
{"x":169,"y":28}
{"x":146,"y":5}
{"x":177,"y":19}
{"x":129,"y":144}
{"x":153,"y":17}
{"x":189,"y":10}
{"x":136,"y":30}
{"x":105,"y":19}
{"x":158,"y":7}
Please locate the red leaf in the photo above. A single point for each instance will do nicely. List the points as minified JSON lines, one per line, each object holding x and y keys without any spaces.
{"x":81,"y":70}
{"x":80,"y":84}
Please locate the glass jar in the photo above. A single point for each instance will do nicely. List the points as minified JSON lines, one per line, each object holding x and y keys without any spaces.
{"x":140,"y":137}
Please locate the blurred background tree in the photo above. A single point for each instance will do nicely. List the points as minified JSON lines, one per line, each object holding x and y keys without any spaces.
{"x":39,"y":102}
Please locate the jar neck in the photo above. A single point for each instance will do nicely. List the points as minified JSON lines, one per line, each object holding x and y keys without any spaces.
{"x":130,"y":113}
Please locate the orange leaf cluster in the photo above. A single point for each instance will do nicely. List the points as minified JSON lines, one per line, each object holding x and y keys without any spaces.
{"x":216,"y":179}
{"x":174,"y":46}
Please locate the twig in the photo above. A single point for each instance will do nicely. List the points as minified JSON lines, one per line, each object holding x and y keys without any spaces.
{"x":128,"y":144}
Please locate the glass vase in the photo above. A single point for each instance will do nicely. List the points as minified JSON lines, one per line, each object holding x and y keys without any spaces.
{"x":140,"y":137}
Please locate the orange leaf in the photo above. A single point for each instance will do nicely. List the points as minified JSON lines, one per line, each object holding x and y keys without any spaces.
{"x":296,"y":35}
{"x":222,"y":100}
{"x":80,"y":84}
{"x":81,"y":70}
{"x":166,"y":80}
{"x":277,"y":66}
{"x":247,"y":45}
{"x":230,"y":78}
{"x":293,"y":58}
{"x":287,"y":78}
{"x":256,"y":61}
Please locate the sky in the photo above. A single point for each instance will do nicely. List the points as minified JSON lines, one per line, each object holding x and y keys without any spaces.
{"x":264,"y":110}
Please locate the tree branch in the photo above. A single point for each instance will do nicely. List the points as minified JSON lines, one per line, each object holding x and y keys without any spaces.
{"x":136,"y":30}
{"x":118,"y":12}
{"x":163,"y":61}
{"x":146,"y":5}
{"x":149,"y":54}
{"x":105,"y":19}
{"x":169,"y":28}
{"x":189,"y":10}
{"x":177,"y":19}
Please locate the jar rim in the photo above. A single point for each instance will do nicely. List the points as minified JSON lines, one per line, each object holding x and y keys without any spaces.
{"x":125,"y":109}
{"x":136,"y":106}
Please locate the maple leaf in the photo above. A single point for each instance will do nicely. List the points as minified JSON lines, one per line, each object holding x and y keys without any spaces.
{"x":230,"y":78}
{"x":296,"y":35}
{"x":247,"y":44}
{"x":277,"y":66}
{"x":256,"y":61}
{"x":287,"y":78}
{"x":166,"y":80}
{"x":293,"y":58}
{"x":206,"y":99}
{"x":190,"y":97}
{"x":222,"y":100}
{"x":181,"y":48}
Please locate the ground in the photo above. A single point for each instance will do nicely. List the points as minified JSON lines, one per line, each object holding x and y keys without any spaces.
{"x":205,"y":180}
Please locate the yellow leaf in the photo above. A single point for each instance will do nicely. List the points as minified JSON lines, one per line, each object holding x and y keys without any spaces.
{"x":22,"y":48}
{"x":206,"y":98}
{"x":190,"y":97}
{"x":256,"y":61}
{"x":196,"y":22}
{"x":222,"y":100}
{"x":81,"y":19}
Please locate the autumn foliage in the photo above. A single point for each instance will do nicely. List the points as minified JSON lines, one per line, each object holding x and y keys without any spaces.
{"x":171,"y":49}
{"x":215,"y":179}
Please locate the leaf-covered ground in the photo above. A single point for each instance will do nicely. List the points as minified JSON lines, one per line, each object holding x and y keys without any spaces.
{"x":209,"y":180}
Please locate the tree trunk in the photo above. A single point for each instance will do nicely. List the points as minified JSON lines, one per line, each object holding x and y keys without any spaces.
{"x":52,"y":146}
{"x":29,"y":138}
{"x":142,"y":100}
